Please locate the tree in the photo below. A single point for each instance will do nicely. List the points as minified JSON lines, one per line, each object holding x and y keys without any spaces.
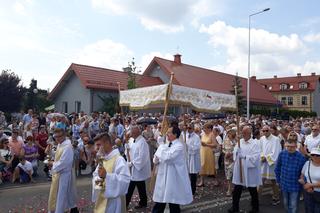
{"x":36,"y":98}
{"x":31,"y":96}
{"x":241,"y":104}
{"x":11,"y":92}
{"x":132,"y":71}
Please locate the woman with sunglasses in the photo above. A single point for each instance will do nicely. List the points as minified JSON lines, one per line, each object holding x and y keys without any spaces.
{"x":310,"y":179}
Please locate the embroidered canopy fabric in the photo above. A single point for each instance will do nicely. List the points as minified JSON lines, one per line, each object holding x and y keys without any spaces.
{"x":199,"y":100}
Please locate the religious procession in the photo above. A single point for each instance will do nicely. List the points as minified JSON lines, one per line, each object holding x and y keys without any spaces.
{"x":169,"y":160}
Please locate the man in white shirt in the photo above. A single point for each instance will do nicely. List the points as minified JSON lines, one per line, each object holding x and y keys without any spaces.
{"x":140,"y":166}
{"x":313,"y":140}
{"x":250,"y":177}
{"x":271,"y":148}
{"x":172,"y":183}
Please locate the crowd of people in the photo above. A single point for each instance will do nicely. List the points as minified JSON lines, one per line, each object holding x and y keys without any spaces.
{"x":125,"y":152}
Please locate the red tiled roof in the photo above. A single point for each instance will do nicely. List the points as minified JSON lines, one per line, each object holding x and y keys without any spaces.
{"x":292,"y":82}
{"x":197,"y":77}
{"x":101,"y":78}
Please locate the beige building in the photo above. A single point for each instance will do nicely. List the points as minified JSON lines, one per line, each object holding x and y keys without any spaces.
{"x":295,"y":93}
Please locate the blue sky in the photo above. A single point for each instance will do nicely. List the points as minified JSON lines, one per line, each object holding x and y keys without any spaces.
{"x":40,"y":39}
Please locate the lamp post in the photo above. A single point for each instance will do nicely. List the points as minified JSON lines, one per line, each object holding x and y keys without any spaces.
{"x":248,"y":82}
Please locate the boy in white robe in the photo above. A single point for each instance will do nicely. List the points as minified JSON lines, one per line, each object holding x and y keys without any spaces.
{"x":63,"y":188}
{"x":193,"y":157}
{"x":110,"y":179}
{"x":250,"y":177}
{"x":172,"y":183}
{"x":271,"y":148}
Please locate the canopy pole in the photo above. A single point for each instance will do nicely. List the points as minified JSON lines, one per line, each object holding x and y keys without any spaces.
{"x":238,"y":129}
{"x":119,"y":88}
{"x":166,"y":106}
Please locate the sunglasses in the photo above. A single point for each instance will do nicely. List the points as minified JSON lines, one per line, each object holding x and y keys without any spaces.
{"x":314,"y":155}
{"x":314,"y":129}
{"x":265,"y":130}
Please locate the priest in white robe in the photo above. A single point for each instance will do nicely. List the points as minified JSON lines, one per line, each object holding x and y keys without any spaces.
{"x":62,"y":195}
{"x":172,"y":183}
{"x":193,"y":156}
{"x":271,"y":148}
{"x":110,"y":179}
{"x":250,"y":177}
{"x":140,"y":166}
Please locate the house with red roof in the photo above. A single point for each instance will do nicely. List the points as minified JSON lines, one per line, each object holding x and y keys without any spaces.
{"x":81,"y":87}
{"x":296,"y":92}
{"x":202,"y":78}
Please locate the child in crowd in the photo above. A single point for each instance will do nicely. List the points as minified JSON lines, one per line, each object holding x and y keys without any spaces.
{"x":23,"y":171}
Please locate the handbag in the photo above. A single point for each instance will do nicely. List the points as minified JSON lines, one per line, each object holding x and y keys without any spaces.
{"x":82,"y":163}
{"x":315,"y":195}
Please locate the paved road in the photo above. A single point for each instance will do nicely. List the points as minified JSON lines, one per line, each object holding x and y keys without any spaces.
{"x":33,"y":198}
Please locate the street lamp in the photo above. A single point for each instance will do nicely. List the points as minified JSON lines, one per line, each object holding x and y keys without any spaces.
{"x":248,"y":82}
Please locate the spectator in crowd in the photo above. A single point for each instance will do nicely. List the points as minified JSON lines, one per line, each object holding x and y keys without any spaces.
{"x":27,"y":131}
{"x":2,"y":134}
{"x":6,"y":159}
{"x":30,"y":153}
{"x":119,"y":129}
{"x":76,"y":129}
{"x":27,"y":118}
{"x":313,"y":140}
{"x":94,"y":125}
{"x":217,"y":150}
{"x":288,"y":171}
{"x":3,"y":121}
{"x":23,"y":171}
{"x":227,"y":148}
{"x":310,"y":179}
{"x":16,"y":145}
{"x":35,"y":125}
{"x":208,"y":143}
{"x":41,"y":142}
{"x":86,"y":156}
{"x":43,"y":119}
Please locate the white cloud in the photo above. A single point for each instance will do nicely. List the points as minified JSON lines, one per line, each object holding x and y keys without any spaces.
{"x":105,"y":53}
{"x":164,"y":15}
{"x":270,"y":52}
{"x":156,"y":25}
{"x":312,"y":37}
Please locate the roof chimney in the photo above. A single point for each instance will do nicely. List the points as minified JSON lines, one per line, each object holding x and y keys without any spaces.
{"x":313,"y":73}
{"x":275,"y":76}
{"x":177,"y":59}
{"x":299,"y":74}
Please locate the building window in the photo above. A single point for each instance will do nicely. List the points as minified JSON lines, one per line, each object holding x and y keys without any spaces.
{"x":303,"y":85}
{"x":304,"y":100}
{"x":283,"y":86}
{"x":290,"y":101}
{"x":77,"y":105}
{"x":284,"y":100}
{"x":65,"y":107}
